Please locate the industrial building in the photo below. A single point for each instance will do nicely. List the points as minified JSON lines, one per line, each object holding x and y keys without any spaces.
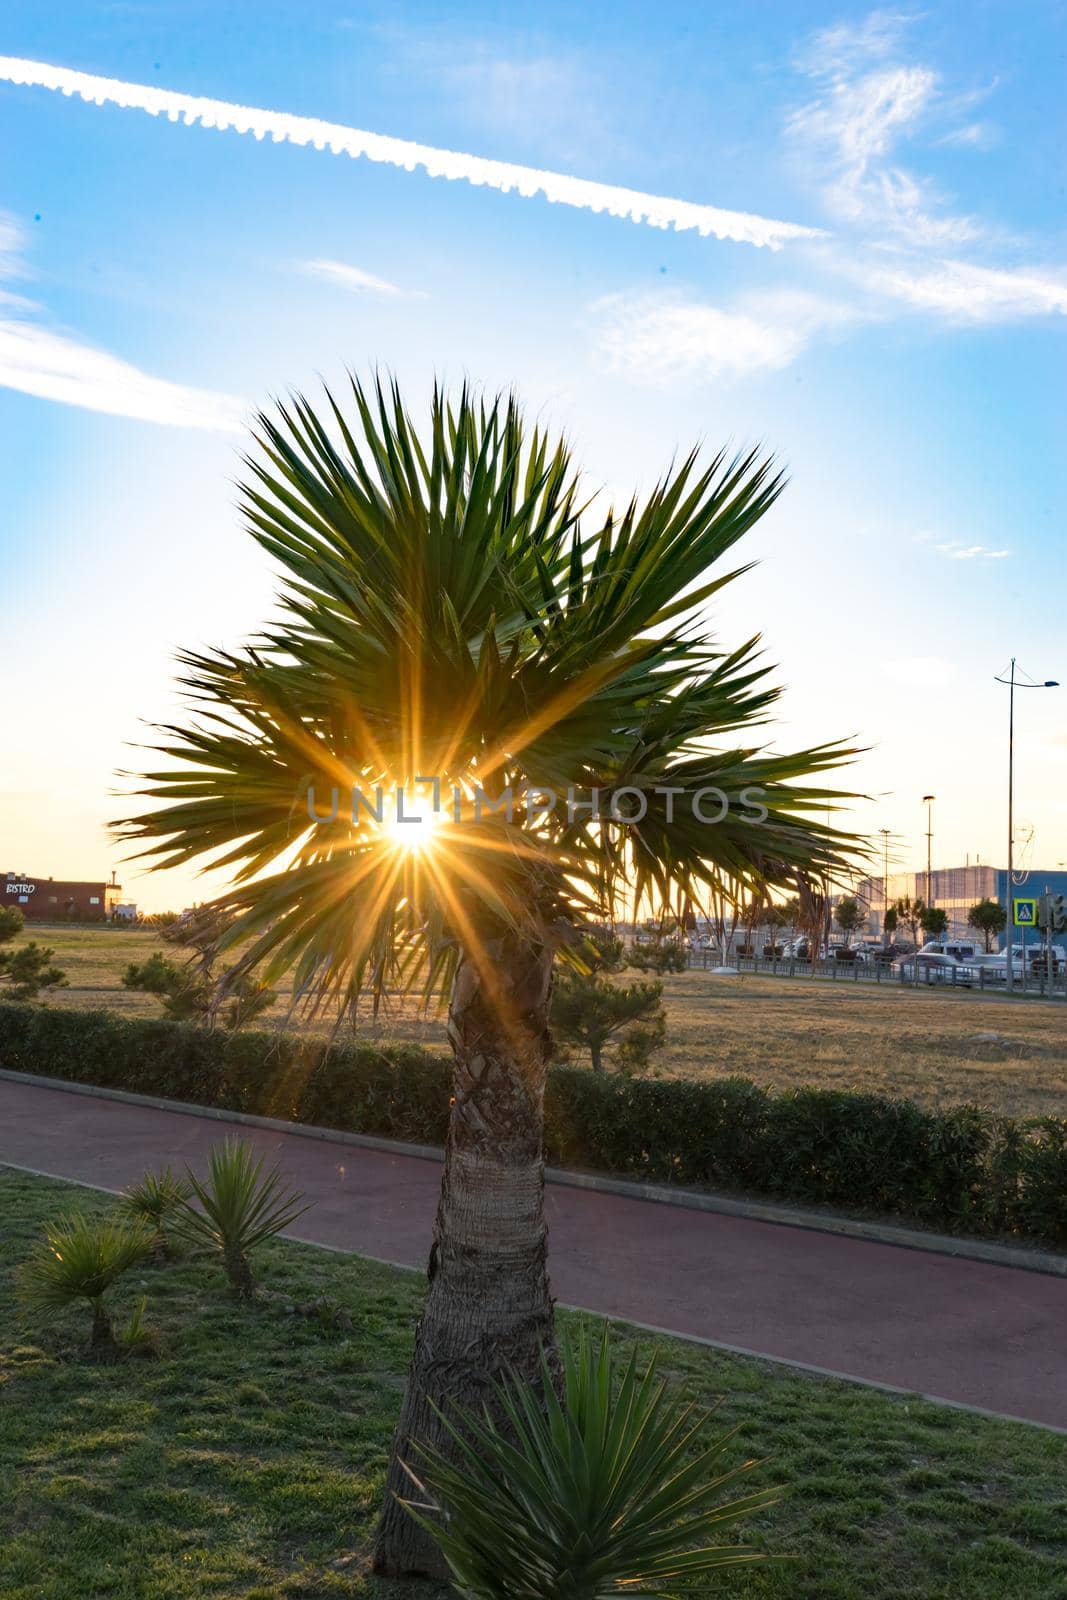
{"x":955,"y":890}
{"x":57,"y":900}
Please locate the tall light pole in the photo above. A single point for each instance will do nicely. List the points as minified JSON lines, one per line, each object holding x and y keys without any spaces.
{"x":928,"y":801}
{"x":1013,"y":684}
{"x":885,"y":882}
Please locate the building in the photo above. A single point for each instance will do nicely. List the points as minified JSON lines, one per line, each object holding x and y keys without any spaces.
{"x":56,"y":900}
{"x":955,"y":890}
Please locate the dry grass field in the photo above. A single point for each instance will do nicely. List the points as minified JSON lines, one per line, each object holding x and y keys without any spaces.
{"x":779,"y":1031}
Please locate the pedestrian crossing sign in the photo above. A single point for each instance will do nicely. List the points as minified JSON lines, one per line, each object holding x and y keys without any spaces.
{"x":1024,"y":913}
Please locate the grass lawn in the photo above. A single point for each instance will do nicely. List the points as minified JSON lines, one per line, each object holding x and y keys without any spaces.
{"x":779,"y":1031}
{"x":248,"y":1460}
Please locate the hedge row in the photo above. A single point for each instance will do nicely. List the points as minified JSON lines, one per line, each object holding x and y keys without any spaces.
{"x":963,"y":1169}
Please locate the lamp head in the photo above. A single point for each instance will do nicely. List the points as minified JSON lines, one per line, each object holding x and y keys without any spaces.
{"x":1050,"y":683}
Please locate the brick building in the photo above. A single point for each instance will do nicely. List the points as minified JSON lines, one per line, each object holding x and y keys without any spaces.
{"x":56,"y":900}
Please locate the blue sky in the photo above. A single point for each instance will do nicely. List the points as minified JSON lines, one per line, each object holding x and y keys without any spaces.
{"x":902,"y":348}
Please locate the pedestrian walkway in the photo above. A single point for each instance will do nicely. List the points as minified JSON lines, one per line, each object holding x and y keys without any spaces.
{"x":986,"y":1336}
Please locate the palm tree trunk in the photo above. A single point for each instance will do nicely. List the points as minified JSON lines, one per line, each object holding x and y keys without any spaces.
{"x":489,"y":1309}
{"x":102,"y":1344}
{"x":239,"y":1273}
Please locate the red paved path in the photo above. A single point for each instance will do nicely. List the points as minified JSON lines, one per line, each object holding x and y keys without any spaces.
{"x":987,"y":1336}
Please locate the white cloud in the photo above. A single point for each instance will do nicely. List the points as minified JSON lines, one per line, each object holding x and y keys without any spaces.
{"x":869,"y":100}
{"x":853,"y":127}
{"x":956,"y":550}
{"x":972,"y":136}
{"x":907,"y":244}
{"x":658,"y":338}
{"x":38,"y":360}
{"x":967,"y":293}
{"x":344,"y":276}
{"x":841,"y":48}
{"x":658,"y":211}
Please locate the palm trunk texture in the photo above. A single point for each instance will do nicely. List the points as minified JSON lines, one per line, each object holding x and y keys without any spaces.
{"x":488,"y":1310}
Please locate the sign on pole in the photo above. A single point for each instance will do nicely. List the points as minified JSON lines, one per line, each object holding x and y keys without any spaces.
{"x":1024,"y":913}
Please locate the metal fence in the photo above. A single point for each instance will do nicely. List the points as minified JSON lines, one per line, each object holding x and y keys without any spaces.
{"x":1028,"y":983}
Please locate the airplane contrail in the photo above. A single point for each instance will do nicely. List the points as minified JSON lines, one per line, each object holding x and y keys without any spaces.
{"x":658,"y":211}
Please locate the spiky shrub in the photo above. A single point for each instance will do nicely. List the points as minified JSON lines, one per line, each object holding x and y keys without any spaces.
{"x":241,"y":1206}
{"x":154,"y":1199}
{"x":138,"y":1337}
{"x":579,"y":1496}
{"x":79,"y":1258}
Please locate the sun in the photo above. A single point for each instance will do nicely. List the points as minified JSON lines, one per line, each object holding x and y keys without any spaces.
{"x":417,"y":832}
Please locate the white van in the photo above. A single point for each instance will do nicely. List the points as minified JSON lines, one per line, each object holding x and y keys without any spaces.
{"x":938,"y":947}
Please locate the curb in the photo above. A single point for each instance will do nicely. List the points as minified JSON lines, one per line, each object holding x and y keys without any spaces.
{"x":991,"y":1253}
{"x":641,"y":1327}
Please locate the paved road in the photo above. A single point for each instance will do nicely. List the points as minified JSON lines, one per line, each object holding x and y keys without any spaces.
{"x":986,"y":1336}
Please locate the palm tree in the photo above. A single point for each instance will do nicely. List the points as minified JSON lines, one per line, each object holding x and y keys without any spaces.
{"x":447,"y":615}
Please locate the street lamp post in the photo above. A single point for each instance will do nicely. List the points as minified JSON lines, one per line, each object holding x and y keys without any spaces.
{"x":885,"y":883}
{"x":928,"y":800}
{"x":1013,"y":684}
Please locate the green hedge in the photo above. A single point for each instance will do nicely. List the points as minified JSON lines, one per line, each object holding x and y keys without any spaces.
{"x":963,"y":1169}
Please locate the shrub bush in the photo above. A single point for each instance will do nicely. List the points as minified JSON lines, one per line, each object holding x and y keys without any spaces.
{"x":963,"y":1169}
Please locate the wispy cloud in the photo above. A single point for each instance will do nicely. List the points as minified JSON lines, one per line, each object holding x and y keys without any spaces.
{"x":40,"y":360}
{"x":853,"y":128}
{"x":968,"y":293}
{"x":657,"y":210}
{"x":956,"y":550}
{"x":971,"y":136}
{"x":657,"y":338}
{"x":357,"y":281}
{"x":844,"y":47}
{"x":908,"y":248}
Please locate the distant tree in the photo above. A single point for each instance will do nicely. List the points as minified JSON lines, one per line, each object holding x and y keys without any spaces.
{"x":850,"y":915}
{"x":29,"y":969}
{"x":190,"y":995}
{"x":162,"y":919}
{"x":603,"y":951}
{"x":11,"y":923}
{"x":814,"y":916}
{"x":889,"y":921}
{"x":987,"y":917}
{"x":909,"y":916}
{"x":589,"y":1010}
{"x":659,"y":955}
{"x":185,"y":996}
{"x":934,"y":922}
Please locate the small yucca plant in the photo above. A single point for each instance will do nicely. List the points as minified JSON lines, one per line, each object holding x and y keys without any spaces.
{"x":79,"y":1258}
{"x":153,"y":1200}
{"x":241,"y":1207}
{"x":138,"y":1337}
{"x":581,"y":1496}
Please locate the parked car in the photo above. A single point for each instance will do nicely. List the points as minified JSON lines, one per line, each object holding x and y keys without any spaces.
{"x":1039,"y":959}
{"x":938,"y":947}
{"x":927,"y":966}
